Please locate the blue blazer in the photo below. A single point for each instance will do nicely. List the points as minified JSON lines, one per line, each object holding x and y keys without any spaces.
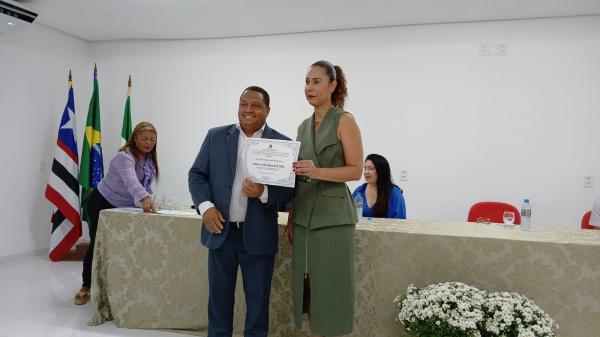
{"x":211,"y":179}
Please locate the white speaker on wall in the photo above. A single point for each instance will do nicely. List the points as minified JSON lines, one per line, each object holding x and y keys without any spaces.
{"x":14,"y":17}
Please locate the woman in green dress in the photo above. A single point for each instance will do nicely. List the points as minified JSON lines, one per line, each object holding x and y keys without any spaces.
{"x":323,"y":217}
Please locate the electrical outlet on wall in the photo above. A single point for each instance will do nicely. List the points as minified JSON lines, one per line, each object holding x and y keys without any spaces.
{"x":403,"y":175}
{"x":501,"y":49}
{"x":484,"y":49}
{"x":588,"y":182}
{"x":492,"y":49}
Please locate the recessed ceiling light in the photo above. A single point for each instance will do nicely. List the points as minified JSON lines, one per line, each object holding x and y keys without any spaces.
{"x":11,"y":23}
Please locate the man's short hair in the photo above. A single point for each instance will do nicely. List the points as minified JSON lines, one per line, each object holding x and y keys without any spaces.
{"x":263,"y":92}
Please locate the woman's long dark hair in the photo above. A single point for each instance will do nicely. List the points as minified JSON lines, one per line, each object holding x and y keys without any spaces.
{"x":384,"y":184}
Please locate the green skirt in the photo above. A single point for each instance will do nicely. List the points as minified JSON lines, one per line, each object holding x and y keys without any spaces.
{"x":327,"y":256}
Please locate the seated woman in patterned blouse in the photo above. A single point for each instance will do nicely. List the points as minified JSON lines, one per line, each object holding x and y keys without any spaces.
{"x":127,"y":184}
{"x":381,"y":197}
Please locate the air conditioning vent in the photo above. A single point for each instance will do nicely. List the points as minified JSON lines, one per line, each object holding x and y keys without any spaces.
{"x":14,"y":17}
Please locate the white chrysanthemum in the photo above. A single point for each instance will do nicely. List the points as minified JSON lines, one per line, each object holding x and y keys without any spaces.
{"x":458,"y":307}
{"x":508,"y":312}
{"x":444,"y":305}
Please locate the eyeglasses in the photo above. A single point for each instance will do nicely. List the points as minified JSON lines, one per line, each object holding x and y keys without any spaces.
{"x":483,"y":220}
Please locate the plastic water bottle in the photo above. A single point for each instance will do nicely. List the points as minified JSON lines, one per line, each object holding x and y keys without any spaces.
{"x":358,"y":203}
{"x":526,"y":216}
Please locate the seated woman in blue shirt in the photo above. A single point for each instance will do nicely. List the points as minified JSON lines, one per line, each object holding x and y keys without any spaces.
{"x":381,"y":197}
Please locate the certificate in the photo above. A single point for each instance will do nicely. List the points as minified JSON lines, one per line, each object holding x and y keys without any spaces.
{"x":269,"y":161}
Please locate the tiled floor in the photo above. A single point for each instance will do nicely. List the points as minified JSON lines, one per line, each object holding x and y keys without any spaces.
{"x":36,"y":301}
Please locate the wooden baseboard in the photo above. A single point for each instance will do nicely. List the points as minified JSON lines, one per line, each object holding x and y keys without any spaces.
{"x":78,"y":253}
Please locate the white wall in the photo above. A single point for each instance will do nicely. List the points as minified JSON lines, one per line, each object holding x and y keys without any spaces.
{"x":34,"y":65}
{"x":466,"y":127}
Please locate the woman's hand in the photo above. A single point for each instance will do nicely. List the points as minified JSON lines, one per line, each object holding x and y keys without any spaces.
{"x":148,"y":205}
{"x":305,"y":168}
{"x":288,"y":233}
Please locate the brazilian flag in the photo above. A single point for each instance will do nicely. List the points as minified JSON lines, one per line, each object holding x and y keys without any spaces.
{"x":91,"y":169}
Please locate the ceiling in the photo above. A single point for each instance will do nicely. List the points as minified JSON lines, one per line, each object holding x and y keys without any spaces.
{"x":97,"y":20}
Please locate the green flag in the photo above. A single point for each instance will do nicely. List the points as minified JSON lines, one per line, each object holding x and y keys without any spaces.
{"x":126,"y":129}
{"x":91,"y":169}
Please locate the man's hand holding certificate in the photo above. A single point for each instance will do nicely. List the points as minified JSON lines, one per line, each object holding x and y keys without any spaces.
{"x":269,"y":161}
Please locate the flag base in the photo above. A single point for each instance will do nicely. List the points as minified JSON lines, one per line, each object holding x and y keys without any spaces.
{"x":78,"y":253}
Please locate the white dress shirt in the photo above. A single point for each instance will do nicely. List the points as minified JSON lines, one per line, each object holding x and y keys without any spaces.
{"x":239,"y":202}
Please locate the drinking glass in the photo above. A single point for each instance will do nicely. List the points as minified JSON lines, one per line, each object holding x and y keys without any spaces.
{"x":508,"y":218}
{"x":160,"y":201}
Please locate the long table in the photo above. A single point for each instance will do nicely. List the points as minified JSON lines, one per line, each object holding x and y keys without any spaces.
{"x":149,"y":271}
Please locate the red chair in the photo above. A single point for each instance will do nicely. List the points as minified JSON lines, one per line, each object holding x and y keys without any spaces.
{"x":492,"y":210}
{"x":585,"y":221}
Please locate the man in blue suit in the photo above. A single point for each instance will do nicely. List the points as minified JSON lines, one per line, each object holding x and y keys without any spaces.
{"x":239,"y":218}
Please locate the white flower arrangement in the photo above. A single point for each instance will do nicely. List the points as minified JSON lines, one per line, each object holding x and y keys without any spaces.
{"x":511,"y":314}
{"x":443,"y":309}
{"x":454,"y":309}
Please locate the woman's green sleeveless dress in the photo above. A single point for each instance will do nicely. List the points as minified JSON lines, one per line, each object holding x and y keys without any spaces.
{"x":324,"y":221}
